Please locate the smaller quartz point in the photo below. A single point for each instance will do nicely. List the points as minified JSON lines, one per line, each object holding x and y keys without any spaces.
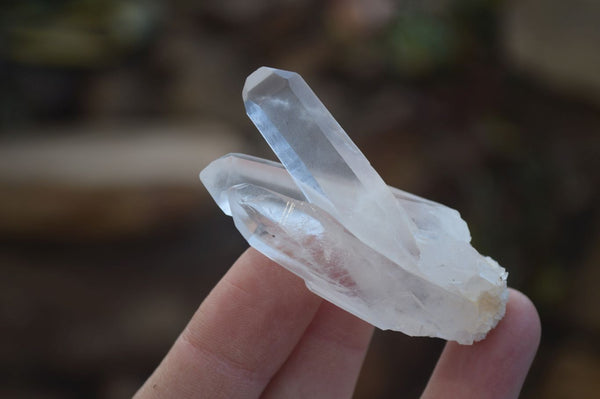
{"x":394,"y":259}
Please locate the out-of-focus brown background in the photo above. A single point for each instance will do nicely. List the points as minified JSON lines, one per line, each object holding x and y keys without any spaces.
{"x":109,"y":109}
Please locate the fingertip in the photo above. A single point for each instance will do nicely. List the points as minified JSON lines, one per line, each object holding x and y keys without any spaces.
{"x":524,"y":317}
{"x":517,"y":334}
{"x":522,"y":320}
{"x":495,"y":367}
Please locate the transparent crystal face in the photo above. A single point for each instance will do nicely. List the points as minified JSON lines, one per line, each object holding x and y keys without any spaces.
{"x":394,"y":259}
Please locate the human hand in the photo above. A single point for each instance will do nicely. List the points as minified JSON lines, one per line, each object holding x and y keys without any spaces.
{"x":261,"y":333}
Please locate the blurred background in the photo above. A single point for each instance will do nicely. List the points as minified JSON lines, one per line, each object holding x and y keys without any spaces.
{"x":109,"y":109}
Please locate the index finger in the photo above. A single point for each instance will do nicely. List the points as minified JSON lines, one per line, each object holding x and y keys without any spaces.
{"x":240,"y":336}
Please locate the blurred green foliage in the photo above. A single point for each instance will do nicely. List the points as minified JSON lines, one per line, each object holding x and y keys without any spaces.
{"x":70,"y":33}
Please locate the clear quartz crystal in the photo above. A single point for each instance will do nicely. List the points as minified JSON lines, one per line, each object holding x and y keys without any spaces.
{"x":326,"y":165}
{"x":396,"y":260}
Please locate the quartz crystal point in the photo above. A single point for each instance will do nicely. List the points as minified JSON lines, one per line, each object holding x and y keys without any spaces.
{"x":396,"y":260}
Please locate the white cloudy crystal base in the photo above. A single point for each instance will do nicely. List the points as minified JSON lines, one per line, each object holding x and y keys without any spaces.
{"x":396,"y":260}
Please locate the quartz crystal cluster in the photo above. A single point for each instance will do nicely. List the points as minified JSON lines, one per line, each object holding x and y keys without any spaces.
{"x":396,"y":260}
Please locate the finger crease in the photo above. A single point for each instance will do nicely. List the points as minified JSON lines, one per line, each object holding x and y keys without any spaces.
{"x":342,"y":340}
{"x":230,"y":367}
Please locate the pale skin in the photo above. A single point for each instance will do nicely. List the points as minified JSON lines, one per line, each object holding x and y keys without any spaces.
{"x":261,"y":334}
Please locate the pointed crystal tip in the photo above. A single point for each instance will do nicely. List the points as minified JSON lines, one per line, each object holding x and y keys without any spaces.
{"x":262,"y":75}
